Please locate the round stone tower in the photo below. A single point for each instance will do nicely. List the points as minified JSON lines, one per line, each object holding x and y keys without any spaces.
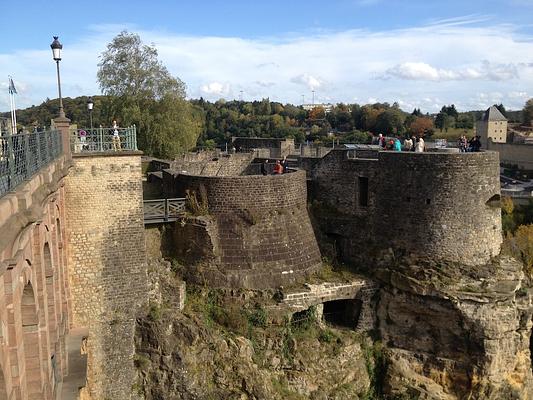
{"x":441,"y":206}
{"x":258,"y":232}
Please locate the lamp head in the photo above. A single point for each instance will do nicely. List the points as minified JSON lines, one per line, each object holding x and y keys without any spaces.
{"x":56,"y":49}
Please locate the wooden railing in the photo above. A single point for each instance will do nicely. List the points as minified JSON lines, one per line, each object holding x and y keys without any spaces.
{"x":163,"y":210}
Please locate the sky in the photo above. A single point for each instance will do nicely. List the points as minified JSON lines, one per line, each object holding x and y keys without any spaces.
{"x":422,"y":54}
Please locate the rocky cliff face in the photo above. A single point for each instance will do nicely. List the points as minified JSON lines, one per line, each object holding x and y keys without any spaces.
{"x":456,"y":332}
{"x":222,"y":346}
{"x":447,"y":331}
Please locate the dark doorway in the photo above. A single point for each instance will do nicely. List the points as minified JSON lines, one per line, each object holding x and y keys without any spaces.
{"x":344,"y":313}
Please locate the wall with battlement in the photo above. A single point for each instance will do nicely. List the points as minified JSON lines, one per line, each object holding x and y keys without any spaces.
{"x":259,"y":229}
{"x":442,"y":206}
{"x":211,"y":163}
{"x":107,"y":266}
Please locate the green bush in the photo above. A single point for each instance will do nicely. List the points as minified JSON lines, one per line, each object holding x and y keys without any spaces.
{"x":326,"y":336}
{"x":258,"y":317}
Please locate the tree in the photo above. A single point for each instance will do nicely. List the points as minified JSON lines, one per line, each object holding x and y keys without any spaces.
{"x":502,"y":109}
{"x":144,"y":93}
{"x":527,"y":112}
{"x":130,"y":68}
{"x":390,"y":122}
{"x":317,"y":113}
{"x":444,"y":121}
{"x":421,"y":125}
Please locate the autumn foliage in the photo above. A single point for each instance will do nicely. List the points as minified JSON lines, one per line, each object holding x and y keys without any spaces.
{"x":421,"y":125}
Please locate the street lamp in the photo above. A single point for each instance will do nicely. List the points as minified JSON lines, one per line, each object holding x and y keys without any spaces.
{"x":56,"y":52}
{"x":90,"y":106}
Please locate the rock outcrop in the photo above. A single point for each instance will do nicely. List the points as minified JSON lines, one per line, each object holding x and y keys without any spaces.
{"x":221,"y":347}
{"x":456,"y":332}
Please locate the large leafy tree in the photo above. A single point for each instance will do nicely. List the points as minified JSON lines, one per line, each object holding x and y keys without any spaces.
{"x":142,"y":91}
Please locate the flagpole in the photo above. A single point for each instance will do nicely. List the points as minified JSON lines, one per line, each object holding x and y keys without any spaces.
{"x":14,"y":114}
{"x":12,"y":92}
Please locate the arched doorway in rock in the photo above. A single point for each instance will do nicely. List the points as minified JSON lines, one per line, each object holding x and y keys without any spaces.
{"x":30,"y":336}
{"x":343,"y":313}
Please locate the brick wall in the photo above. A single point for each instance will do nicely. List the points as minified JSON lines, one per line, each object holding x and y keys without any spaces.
{"x":260,"y":234}
{"x":107,"y":266}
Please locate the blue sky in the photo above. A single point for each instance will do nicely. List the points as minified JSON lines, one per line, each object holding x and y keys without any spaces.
{"x":419,"y":53}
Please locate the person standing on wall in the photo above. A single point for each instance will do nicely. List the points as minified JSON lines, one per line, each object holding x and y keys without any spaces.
{"x":408,"y":143}
{"x":397,"y":145}
{"x":278,"y":169}
{"x":419,"y":146}
{"x":264,"y":169}
{"x":285,"y":165}
{"x":116,"y":137}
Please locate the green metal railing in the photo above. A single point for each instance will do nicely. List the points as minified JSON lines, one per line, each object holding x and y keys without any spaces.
{"x":23,"y":154}
{"x":102,"y":140}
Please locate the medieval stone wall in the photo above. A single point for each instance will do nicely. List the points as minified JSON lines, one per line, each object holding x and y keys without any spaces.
{"x":260,"y":231}
{"x":107,"y":265}
{"x":439,"y":205}
{"x":433,"y":205}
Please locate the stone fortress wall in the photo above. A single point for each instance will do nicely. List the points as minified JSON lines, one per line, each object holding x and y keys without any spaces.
{"x":260,"y":234}
{"x":442,"y":206}
{"x":107,"y":266}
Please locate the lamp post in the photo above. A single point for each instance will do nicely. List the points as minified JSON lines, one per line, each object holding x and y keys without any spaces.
{"x":56,"y":52}
{"x":90,"y":106}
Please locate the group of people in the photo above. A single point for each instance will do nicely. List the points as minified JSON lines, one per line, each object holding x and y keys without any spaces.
{"x":115,"y":138}
{"x":472,"y":145}
{"x":280,"y":167}
{"x":414,"y":143}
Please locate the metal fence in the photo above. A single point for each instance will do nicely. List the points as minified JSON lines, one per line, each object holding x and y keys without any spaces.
{"x":23,"y":154}
{"x":99,"y":140}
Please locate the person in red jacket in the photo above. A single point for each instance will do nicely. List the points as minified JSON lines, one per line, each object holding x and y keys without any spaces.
{"x":278,"y":168}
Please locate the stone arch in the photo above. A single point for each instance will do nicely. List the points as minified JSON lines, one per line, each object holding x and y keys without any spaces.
{"x":30,"y":338}
{"x":50,"y":277}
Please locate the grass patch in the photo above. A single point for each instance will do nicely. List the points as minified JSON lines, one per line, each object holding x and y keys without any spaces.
{"x":452,"y":134}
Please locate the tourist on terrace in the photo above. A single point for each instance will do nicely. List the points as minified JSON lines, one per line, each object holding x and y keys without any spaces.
{"x":397,"y":145}
{"x":285,"y":165}
{"x":408,"y":144}
{"x":83,"y":139}
{"x":264,"y":169}
{"x":116,"y":137}
{"x":462,"y":144}
{"x":381,"y":141}
{"x":419,"y":146}
{"x":278,"y":169}
{"x":475,"y":144}
{"x":413,"y":139}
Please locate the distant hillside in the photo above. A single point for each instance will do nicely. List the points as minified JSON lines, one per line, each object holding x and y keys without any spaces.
{"x":75,"y":110}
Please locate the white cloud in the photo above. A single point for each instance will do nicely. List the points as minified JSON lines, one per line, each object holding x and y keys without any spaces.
{"x":425,"y":72}
{"x":426,"y":66}
{"x":311,"y":82}
{"x":215,"y":88}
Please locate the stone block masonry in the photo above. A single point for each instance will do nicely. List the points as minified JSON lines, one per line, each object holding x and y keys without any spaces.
{"x":107,"y":265}
{"x":258,"y":234}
